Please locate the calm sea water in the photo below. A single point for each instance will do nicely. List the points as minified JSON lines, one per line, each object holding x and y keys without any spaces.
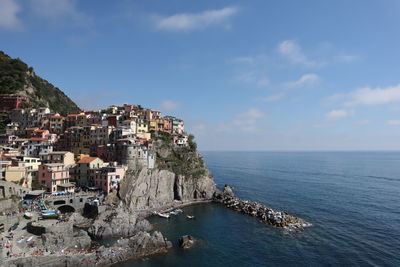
{"x":352,"y":198}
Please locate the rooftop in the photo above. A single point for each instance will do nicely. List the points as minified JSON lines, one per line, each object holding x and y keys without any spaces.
{"x":87,"y":160}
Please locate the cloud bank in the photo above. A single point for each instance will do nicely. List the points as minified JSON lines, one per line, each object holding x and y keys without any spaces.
{"x":194,"y":21}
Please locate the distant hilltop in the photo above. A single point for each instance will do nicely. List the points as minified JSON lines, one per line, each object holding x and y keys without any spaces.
{"x":19,"y":83}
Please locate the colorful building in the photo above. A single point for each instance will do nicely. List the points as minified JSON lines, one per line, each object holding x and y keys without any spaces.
{"x":54,"y":178}
{"x":56,"y":124}
{"x":108,"y":178}
{"x":64,"y":157}
{"x":10,"y":102}
{"x":83,"y":168}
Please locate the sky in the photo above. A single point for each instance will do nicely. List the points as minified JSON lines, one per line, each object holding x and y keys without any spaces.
{"x":244,"y":75}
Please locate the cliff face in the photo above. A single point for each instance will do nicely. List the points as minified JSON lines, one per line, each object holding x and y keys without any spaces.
{"x":149,"y":189}
{"x":181,"y":175}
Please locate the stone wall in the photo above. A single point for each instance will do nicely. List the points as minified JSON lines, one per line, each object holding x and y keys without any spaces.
{"x":6,"y":205}
{"x":7,"y":189}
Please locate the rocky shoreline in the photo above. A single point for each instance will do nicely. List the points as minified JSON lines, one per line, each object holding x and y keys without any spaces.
{"x":265,"y":214}
{"x":123,"y":220}
{"x":132,"y":229}
{"x":140,"y":245}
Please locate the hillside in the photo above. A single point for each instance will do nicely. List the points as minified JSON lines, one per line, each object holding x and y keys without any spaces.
{"x":16,"y":77}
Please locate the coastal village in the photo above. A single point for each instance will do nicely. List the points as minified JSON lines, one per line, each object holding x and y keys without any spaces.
{"x":89,"y":150}
{"x":53,"y":164}
{"x":69,"y":181}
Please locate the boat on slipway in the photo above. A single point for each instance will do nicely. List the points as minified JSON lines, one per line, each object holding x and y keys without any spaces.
{"x":49,"y":214}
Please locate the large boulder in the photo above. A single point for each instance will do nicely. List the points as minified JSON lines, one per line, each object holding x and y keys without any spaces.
{"x":62,"y":236}
{"x":117,"y":223}
{"x":186,"y":241}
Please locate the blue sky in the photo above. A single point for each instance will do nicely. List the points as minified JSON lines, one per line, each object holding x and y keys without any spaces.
{"x":244,"y":75}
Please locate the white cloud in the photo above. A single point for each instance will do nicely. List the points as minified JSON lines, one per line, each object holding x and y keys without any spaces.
{"x":253,"y":79}
{"x":374,"y":96}
{"x":57,"y":10}
{"x":192,"y":21}
{"x":305,"y":80}
{"x":271,"y":98}
{"x":394,"y":122}
{"x":294,"y":53}
{"x":9,"y":10}
{"x":347,"y":58}
{"x":169,"y":105}
{"x":252,"y":113}
{"x":338,"y":114}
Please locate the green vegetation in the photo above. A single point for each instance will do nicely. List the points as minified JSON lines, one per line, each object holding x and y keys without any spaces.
{"x":180,"y":160}
{"x":4,"y":120}
{"x":163,"y":137}
{"x":192,"y":143}
{"x":16,"y":77}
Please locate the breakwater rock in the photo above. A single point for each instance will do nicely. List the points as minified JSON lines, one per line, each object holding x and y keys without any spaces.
{"x":267,"y":215}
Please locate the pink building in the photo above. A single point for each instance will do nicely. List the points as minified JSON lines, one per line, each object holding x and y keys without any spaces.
{"x":39,"y":133}
{"x":54,"y":178}
{"x":108,"y":178}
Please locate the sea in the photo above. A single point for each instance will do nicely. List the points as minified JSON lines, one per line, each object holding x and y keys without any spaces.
{"x":351,"y":198}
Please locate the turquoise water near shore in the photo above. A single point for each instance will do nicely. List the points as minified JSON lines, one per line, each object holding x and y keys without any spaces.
{"x":352,"y":198}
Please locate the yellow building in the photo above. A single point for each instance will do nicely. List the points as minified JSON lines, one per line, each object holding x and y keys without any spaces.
{"x":16,"y":174}
{"x":142,"y":126}
{"x":56,"y":124}
{"x":152,"y":125}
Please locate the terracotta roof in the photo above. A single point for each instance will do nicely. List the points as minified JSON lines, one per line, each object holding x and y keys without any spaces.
{"x":87,"y":160}
{"x":72,"y":115}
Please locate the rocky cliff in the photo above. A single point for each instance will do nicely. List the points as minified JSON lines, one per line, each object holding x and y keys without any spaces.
{"x":181,"y":175}
{"x":152,"y":189}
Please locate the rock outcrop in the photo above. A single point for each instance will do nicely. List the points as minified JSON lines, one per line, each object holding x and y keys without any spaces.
{"x":152,"y":189}
{"x":116,"y":223}
{"x":265,"y":214}
{"x":56,"y":235}
{"x":186,"y":241}
{"x":140,"y":245}
{"x":56,"y":241}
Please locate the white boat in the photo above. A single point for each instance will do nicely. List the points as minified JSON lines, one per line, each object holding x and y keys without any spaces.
{"x":176,"y":212}
{"x":163,"y":215}
{"x":190,"y":216}
{"x":28,"y":215}
{"x":29,"y":239}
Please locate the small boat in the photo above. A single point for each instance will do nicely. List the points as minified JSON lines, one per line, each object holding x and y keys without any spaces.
{"x":163,"y":215}
{"x":28,"y":215}
{"x":49,"y":214}
{"x":29,"y":239}
{"x":190,"y":216}
{"x":176,"y":212}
